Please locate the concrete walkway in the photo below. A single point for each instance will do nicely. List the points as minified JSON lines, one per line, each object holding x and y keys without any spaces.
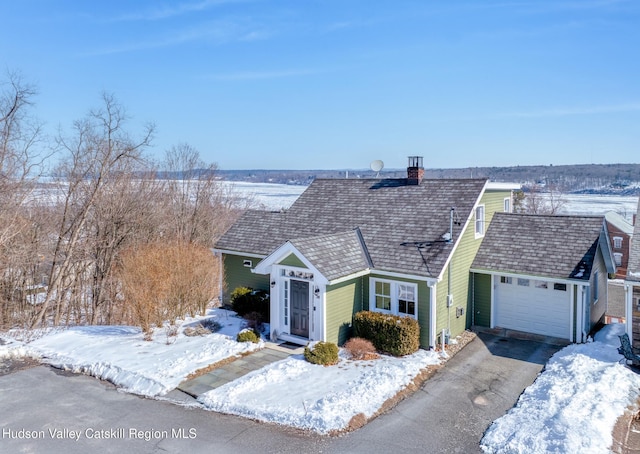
{"x":235,"y":369}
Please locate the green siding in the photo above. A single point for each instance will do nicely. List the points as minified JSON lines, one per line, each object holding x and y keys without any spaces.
{"x":423,"y":303}
{"x":238,"y":275}
{"x":481,"y":293}
{"x":343,"y":301}
{"x":460,"y":276}
{"x":292,"y":260}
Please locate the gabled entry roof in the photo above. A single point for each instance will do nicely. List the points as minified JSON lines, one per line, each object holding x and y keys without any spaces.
{"x":562,"y":247}
{"x":401,"y":225}
{"x":335,"y":255}
{"x":332,"y":256}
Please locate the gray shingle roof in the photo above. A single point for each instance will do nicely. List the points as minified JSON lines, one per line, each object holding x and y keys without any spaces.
{"x":540,"y":245}
{"x":390,"y":214}
{"x":335,"y":255}
{"x":633,"y":269}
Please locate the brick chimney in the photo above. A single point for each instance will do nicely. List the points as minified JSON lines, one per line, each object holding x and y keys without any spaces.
{"x":415,"y":171}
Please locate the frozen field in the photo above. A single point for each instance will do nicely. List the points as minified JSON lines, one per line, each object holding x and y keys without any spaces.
{"x":600,"y":204}
{"x":267,"y":195}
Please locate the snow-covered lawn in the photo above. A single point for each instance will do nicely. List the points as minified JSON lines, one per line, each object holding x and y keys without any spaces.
{"x":291,"y":392}
{"x":297,"y":393}
{"x":573,"y":405}
{"x":120,"y":355}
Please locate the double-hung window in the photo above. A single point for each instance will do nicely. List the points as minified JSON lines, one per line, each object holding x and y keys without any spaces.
{"x":480,"y":227}
{"x":507,"y":205}
{"x":383,"y":296}
{"x":393,"y":297}
{"x":406,"y":299}
{"x":617,"y":242}
{"x":617,"y":256}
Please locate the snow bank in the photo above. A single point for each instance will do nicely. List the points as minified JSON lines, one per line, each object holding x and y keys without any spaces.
{"x":308,"y":396}
{"x":574,"y":403}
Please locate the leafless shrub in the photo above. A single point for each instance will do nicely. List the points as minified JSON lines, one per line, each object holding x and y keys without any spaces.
{"x":360,"y":349}
{"x":165,"y":281}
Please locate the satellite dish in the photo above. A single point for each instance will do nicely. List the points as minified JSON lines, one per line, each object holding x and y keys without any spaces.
{"x":377,"y":166}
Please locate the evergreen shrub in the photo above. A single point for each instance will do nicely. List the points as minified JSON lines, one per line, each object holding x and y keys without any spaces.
{"x":248,"y":335}
{"x":323,"y":353}
{"x":245,"y":300}
{"x":392,"y":334}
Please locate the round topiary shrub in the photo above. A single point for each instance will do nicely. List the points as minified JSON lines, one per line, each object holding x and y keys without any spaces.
{"x":248,"y":335}
{"x":323,"y":353}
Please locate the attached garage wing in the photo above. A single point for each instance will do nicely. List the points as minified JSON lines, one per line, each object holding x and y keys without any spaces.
{"x":533,"y":306}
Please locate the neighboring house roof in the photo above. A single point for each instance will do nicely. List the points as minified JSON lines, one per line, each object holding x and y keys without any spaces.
{"x":619,"y":221}
{"x":401,"y":225}
{"x":542,"y":245}
{"x":633,"y":269}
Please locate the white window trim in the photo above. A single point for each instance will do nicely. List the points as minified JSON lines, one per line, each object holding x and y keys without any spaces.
{"x":286,"y":303}
{"x":284,"y":275}
{"x":596,"y":287}
{"x":476,"y":220}
{"x":617,"y":242}
{"x":507,"y":205}
{"x":394,"y":296}
{"x":617,"y":256}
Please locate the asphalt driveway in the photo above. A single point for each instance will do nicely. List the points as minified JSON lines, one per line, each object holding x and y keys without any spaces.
{"x":448,"y":414}
{"x":454,"y":408}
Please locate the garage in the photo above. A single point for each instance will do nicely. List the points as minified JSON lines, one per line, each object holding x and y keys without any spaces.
{"x":533,"y":306}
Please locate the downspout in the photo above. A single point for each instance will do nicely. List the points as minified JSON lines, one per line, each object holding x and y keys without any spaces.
{"x":221,"y":280}
{"x":580,"y":314}
{"x":449,"y":295}
{"x":432,"y":316}
{"x":473,"y":299}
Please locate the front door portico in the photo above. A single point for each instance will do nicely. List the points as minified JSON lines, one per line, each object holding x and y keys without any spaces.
{"x":300,"y":308}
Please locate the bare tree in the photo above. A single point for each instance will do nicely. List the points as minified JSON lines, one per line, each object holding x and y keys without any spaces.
{"x":539,"y":201}
{"x":19,"y":135}
{"x":20,"y":165}
{"x":125,"y":215}
{"x":199,"y":207}
{"x":98,"y":150}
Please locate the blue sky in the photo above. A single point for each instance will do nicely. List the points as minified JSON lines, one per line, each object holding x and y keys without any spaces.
{"x":303,"y":84}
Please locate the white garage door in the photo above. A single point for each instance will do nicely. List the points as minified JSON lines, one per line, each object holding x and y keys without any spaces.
{"x":532,"y":306}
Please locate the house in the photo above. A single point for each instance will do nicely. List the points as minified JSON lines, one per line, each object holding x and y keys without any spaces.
{"x":399,"y":246}
{"x":543,"y":274}
{"x":620,"y":232}
{"x":632,"y":286}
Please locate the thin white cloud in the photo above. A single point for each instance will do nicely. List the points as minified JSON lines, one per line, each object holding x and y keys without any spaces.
{"x":215,"y":32}
{"x":257,"y":75}
{"x":179,"y":9}
{"x":545,"y":7}
{"x":573,"y":111}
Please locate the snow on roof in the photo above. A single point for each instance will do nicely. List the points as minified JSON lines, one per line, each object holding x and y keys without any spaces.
{"x":619,"y":221}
